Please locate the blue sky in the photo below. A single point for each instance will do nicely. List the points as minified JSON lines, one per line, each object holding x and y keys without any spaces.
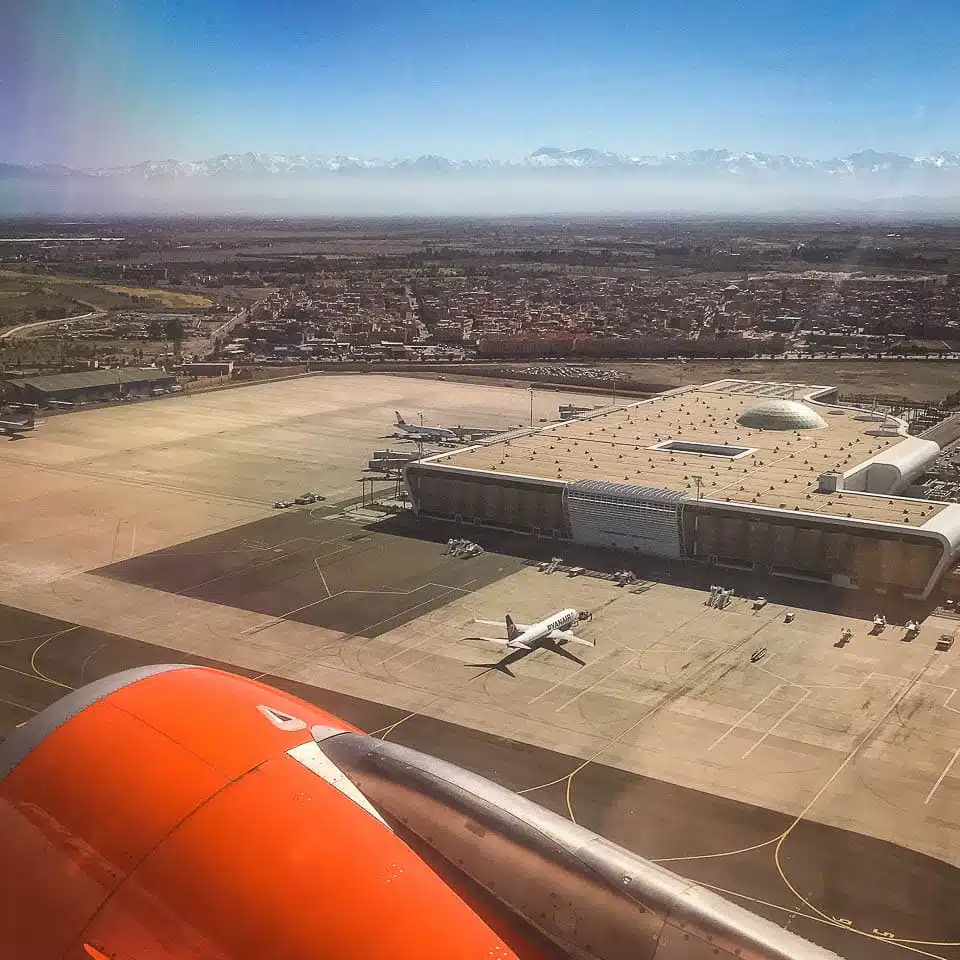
{"x":117,"y":81}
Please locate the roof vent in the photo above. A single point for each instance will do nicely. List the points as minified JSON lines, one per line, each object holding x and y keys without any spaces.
{"x":831,"y":482}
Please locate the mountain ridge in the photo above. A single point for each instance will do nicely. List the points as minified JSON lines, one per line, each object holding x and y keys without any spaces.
{"x":861,"y":164}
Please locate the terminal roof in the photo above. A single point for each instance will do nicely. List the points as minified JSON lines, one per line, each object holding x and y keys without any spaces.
{"x":777,"y":468}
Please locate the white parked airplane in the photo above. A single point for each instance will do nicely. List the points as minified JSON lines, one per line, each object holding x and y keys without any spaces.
{"x":15,"y":428}
{"x":425,"y":433}
{"x":551,"y":632}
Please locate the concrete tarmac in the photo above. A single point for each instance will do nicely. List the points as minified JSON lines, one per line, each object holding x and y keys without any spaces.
{"x":840,"y":883}
{"x":145,"y":533}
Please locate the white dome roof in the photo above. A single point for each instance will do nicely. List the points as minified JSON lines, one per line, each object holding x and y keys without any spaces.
{"x":781,"y":415}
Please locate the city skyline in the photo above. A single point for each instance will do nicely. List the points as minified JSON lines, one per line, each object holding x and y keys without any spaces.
{"x":101,"y":83}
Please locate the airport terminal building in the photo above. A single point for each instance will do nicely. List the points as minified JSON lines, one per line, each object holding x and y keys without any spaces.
{"x":769,"y":476}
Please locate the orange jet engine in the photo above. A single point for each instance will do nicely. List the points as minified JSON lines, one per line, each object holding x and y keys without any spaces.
{"x":174,"y":812}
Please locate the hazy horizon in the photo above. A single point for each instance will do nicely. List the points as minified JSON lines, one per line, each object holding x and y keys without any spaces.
{"x":366,"y":196}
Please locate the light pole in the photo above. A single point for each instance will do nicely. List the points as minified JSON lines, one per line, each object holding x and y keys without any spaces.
{"x":531,"y":406}
{"x":696,"y":516}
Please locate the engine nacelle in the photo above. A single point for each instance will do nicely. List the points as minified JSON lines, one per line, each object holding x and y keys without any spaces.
{"x":178,"y":811}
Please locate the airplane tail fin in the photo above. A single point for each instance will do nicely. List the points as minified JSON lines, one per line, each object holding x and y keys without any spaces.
{"x":400,"y":420}
{"x":512,"y":631}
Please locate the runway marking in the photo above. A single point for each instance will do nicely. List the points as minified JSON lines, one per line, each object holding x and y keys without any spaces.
{"x":713,"y":856}
{"x":406,"y":648}
{"x":388,"y":593}
{"x":152,"y":483}
{"x":88,"y":658}
{"x":250,"y":546}
{"x":777,"y":724}
{"x":369,"y":626}
{"x":385,"y":732}
{"x":946,"y":703}
{"x":43,"y":636}
{"x":22,"y":706}
{"x":427,"y":656}
{"x":263,"y":563}
{"x":904,"y":943}
{"x":597,"y":683}
{"x":752,"y":710}
{"x":665,"y":701}
{"x":116,"y":537}
{"x":694,"y":645}
{"x":946,"y":770}
{"x":866,"y":679}
{"x":133,"y":542}
{"x":316,"y":563}
{"x":566,"y":680}
{"x":839,"y":923}
{"x":32,"y":676}
{"x":33,"y":658}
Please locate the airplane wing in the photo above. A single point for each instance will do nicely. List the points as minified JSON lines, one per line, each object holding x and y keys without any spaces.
{"x":565,"y":636}
{"x":500,"y":623}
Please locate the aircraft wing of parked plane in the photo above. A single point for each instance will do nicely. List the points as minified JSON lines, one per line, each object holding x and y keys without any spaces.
{"x":14,"y":428}
{"x":527,"y":636}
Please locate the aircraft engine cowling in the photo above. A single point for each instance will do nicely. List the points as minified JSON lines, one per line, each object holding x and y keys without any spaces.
{"x":178,"y":811}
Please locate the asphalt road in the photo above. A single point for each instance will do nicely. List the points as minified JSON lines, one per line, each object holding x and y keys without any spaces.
{"x":875,"y":887}
{"x":40,"y":324}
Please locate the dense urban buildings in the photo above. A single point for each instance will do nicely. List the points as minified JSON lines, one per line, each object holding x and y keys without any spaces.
{"x":291,"y":292}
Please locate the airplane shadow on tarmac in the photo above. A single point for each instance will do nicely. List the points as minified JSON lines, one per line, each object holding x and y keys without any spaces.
{"x":505,"y":662}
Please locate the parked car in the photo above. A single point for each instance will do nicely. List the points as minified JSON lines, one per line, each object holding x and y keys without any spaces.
{"x":305,"y":498}
{"x":281,"y":504}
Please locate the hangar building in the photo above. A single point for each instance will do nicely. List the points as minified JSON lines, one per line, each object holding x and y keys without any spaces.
{"x":88,"y":385}
{"x":769,"y":476}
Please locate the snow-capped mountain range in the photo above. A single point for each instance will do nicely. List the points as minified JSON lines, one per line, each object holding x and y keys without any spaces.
{"x":864,"y":164}
{"x":549,"y":180}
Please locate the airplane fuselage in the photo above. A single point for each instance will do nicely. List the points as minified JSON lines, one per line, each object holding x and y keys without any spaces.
{"x":424,"y":433}
{"x":428,"y":433}
{"x":539,"y":631}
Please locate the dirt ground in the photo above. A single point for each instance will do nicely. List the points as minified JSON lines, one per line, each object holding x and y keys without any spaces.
{"x":923,"y":381}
